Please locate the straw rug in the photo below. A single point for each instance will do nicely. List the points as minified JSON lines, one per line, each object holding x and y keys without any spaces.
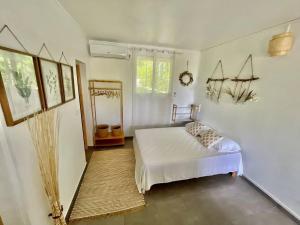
{"x":108,"y":186}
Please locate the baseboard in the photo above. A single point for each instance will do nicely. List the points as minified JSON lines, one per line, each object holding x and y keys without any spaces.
{"x":281,"y":205}
{"x":75,"y":195}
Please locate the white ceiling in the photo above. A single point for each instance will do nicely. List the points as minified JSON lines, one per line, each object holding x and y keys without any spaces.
{"x":192,"y":24}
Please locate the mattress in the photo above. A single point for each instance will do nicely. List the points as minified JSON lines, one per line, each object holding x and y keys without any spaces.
{"x":170,"y":154}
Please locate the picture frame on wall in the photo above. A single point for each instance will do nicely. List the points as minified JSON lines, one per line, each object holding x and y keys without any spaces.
{"x":68,"y":82}
{"x":20,"y":86}
{"x":51,"y":82}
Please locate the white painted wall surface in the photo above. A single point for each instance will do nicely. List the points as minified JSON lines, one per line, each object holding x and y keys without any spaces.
{"x":267,"y":130}
{"x":11,"y":199}
{"x":35,"y":22}
{"x":185,"y":94}
{"x":116,"y":69}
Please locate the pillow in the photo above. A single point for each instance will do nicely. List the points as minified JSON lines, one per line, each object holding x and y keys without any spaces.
{"x":194,"y":128}
{"x":227,"y":145}
{"x":209,"y":138}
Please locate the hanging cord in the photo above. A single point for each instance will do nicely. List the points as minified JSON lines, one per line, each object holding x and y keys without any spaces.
{"x":45,"y":47}
{"x":187,"y":65}
{"x":63,"y":56}
{"x":15,"y":36}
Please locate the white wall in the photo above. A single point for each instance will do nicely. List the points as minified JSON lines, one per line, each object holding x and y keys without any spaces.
{"x":185,"y":94}
{"x":11,"y":199}
{"x":267,"y":130}
{"x":116,"y":69}
{"x":35,"y":22}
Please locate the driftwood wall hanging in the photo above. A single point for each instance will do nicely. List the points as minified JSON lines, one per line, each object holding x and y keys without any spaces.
{"x":242,"y":91}
{"x":214,"y":86}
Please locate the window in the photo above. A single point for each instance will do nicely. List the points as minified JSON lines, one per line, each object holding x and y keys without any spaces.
{"x":163,"y":76}
{"x":144,"y":75}
{"x":153,"y":75}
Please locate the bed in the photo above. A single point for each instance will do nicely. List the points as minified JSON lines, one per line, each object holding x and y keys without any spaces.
{"x":171,"y":154}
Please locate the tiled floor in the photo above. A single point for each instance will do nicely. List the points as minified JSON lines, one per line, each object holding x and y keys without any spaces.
{"x":217,"y":200}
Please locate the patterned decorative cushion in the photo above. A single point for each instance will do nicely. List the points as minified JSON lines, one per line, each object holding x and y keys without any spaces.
{"x":194,"y":128}
{"x":209,"y":138}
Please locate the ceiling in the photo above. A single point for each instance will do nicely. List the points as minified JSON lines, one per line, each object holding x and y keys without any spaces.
{"x":191,"y":24}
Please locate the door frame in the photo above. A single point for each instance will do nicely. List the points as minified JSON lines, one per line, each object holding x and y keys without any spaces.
{"x":82,"y":112}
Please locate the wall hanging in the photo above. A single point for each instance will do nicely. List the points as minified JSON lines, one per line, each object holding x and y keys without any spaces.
{"x":30,"y":84}
{"x":281,"y":44}
{"x":68,"y":82}
{"x":20,"y":90}
{"x":186,"y":77}
{"x":242,"y":92}
{"x":67,"y":79}
{"x":51,"y":79}
{"x":214,"y":86}
{"x":50,"y":75}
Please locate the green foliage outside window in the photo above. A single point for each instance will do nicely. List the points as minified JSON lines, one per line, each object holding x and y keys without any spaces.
{"x":163,"y":76}
{"x":147,"y":82}
{"x":144,"y":76}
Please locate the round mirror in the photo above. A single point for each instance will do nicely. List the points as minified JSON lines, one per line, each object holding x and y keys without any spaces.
{"x":186,"y":78}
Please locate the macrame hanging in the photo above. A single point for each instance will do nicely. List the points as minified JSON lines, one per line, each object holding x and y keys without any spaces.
{"x":213,"y":91}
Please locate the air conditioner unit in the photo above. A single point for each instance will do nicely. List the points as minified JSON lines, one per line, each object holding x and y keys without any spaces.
{"x":109,"y":49}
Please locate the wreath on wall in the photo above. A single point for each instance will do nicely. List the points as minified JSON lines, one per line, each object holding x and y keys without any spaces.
{"x":186,"y":78}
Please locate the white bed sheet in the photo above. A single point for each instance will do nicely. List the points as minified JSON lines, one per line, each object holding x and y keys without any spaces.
{"x":170,"y":154}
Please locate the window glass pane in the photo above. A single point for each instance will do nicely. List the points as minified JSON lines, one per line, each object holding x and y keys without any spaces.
{"x":163,"y":76}
{"x":144,"y":75}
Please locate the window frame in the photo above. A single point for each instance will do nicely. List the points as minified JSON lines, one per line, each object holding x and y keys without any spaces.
{"x":155,"y":61}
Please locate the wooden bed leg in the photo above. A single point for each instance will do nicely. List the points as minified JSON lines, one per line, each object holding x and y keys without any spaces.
{"x":234,"y":174}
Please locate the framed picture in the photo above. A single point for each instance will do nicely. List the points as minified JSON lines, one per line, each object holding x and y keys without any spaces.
{"x":68,"y":82}
{"x":20,"y":87}
{"x":51,"y":82}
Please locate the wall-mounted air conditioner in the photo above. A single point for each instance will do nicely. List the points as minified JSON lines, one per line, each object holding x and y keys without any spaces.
{"x":109,"y":49}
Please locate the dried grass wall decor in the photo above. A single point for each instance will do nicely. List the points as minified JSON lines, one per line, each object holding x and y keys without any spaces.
{"x":214,"y":86}
{"x":44,"y":133}
{"x":242,"y":91}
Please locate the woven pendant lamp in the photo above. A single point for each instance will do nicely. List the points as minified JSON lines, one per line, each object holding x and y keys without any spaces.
{"x":282,"y":43}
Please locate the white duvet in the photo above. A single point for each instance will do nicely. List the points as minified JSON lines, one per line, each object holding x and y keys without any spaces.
{"x":170,"y":154}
